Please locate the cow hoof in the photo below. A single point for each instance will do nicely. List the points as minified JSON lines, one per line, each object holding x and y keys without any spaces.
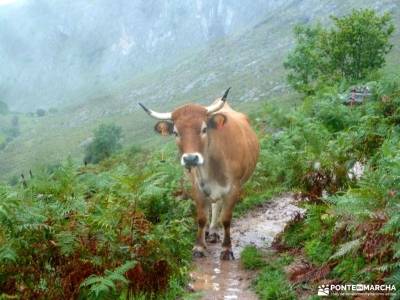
{"x":198,"y":253}
{"x":213,"y":238}
{"x":227,"y":255}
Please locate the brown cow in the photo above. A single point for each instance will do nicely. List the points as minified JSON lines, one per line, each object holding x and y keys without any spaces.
{"x":220,"y":151}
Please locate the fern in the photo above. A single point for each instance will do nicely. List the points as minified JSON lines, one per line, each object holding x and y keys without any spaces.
{"x":395,"y":280}
{"x":66,"y":240}
{"x":346,"y":248}
{"x":7,"y":254}
{"x":101,"y":287}
{"x":72,"y":224}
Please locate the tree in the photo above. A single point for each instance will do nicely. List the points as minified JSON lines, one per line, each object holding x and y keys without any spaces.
{"x":106,"y":141}
{"x":40,"y":112}
{"x":351,"y":49}
{"x":359,"y":43}
{"x":303,"y":61}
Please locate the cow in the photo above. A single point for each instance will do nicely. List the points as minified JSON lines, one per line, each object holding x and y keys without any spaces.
{"x":219,"y":149}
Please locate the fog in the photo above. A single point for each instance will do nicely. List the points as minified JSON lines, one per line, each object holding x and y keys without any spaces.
{"x":57,"y":53}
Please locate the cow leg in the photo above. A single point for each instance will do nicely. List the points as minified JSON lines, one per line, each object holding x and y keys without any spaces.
{"x":213,"y":236}
{"x":202,"y":208}
{"x":226,"y":218}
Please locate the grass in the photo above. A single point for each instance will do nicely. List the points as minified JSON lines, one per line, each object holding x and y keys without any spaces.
{"x":271,"y":283}
{"x":251,"y":258}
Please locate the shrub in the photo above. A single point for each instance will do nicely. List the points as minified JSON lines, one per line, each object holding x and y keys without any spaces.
{"x":40,"y":112}
{"x":359,"y":42}
{"x":351,"y":50}
{"x":106,"y":141}
{"x":303,"y":61}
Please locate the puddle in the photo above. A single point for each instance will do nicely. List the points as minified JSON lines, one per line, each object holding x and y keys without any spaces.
{"x":216,"y":279}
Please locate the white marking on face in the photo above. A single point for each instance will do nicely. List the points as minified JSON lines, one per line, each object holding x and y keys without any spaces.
{"x":200,"y":159}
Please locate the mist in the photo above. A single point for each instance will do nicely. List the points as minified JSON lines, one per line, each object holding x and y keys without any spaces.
{"x":60,"y":53}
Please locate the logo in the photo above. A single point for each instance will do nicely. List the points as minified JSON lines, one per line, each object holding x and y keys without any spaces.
{"x":356,"y":289}
{"x":323,"y":290}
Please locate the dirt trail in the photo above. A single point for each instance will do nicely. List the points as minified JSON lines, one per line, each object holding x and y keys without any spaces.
{"x":216,"y":279}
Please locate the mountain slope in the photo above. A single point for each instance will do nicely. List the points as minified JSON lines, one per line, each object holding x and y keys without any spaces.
{"x":53,"y":51}
{"x":249,"y":62}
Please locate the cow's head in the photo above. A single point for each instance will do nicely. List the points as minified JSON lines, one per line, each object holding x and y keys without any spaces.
{"x":191,"y":125}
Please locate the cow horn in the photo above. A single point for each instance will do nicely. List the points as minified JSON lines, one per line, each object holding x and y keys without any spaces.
{"x":157,"y":115}
{"x":217,"y":105}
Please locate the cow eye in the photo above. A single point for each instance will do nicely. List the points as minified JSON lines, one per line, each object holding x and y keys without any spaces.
{"x":204,"y":130}
{"x":176,"y":133}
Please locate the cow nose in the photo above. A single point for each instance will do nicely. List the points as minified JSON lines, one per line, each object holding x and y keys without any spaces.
{"x":191,"y":159}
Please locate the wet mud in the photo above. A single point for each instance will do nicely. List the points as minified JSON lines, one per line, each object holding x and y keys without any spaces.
{"x":214,"y":279}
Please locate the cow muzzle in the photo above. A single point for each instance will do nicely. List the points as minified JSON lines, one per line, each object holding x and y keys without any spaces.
{"x":189,"y":160}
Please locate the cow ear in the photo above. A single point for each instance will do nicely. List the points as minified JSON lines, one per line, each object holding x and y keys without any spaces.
{"x":164,"y":128}
{"x":217,"y":121}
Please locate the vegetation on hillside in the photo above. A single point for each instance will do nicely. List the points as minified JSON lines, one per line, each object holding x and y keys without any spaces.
{"x":98,"y":232}
{"x":9,"y":129}
{"x":343,"y":162}
{"x":102,"y":231}
{"x":353,"y":49}
{"x":106,"y":141}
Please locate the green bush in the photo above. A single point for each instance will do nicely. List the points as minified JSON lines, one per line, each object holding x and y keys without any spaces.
{"x":106,"y":141}
{"x":359,"y":42}
{"x":40,"y":112}
{"x":352,"y":50}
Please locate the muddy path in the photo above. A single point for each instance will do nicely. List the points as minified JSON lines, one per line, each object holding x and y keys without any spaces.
{"x":216,"y":279}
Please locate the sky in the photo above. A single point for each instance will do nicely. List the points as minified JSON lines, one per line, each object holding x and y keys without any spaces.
{"x":7,"y":2}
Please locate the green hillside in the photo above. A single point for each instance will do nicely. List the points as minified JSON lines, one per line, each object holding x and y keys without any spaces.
{"x":249,"y":62}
